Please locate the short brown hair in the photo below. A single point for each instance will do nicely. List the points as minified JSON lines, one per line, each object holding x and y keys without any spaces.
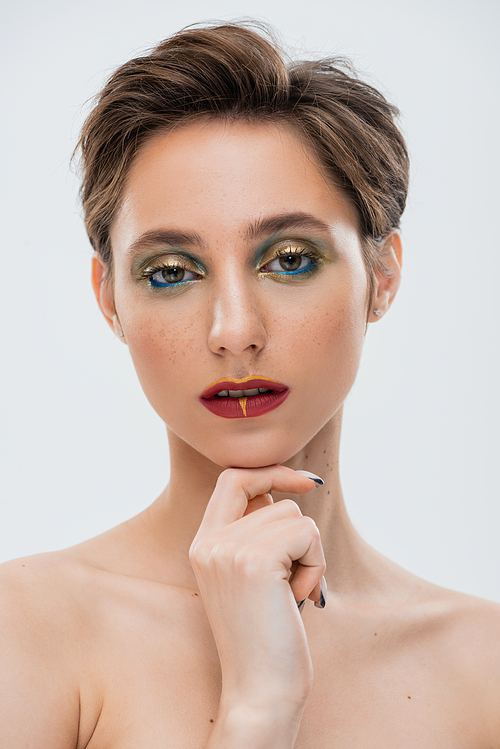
{"x":237,"y":71}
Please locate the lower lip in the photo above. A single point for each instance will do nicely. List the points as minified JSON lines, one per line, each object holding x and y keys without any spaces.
{"x":254,"y":405}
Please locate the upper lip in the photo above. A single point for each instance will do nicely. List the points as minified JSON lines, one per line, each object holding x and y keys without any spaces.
{"x":245,"y":383}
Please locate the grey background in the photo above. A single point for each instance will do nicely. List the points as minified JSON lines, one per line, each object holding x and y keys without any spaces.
{"x":82,"y":450}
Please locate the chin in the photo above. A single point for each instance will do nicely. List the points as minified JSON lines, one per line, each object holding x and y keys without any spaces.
{"x":265,"y":453}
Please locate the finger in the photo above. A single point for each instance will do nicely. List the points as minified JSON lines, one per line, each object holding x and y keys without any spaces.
{"x":299,"y":540}
{"x":303,"y":546}
{"x":268,"y":515}
{"x":301,"y":585}
{"x":293,"y":569}
{"x":258,"y":502}
{"x":237,"y":486}
{"x":320,"y":602}
{"x":283,"y":544}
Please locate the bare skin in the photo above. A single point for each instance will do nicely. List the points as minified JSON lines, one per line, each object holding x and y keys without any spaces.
{"x":143,"y":637}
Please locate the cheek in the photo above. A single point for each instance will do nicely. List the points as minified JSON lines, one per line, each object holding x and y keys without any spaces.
{"x":337,"y":319}
{"x":333,"y":341}
{"x":160,"y":347}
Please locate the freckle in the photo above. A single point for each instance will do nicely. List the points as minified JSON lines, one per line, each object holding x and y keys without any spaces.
{"x":23,"y":565}
{"x":324,"y":452}
{"x":307,"y":457}
{"x":375,"y":634}
{"x":328,"y":492}
{"x":409,"y":697}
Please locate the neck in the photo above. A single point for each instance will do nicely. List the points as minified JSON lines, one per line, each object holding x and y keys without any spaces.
{"x":173,"y":519}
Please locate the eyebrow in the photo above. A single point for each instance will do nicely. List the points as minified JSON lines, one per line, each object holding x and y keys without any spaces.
{"x":263,"y":226}
{"x":277,"y":224}
{"x":164,"y":237}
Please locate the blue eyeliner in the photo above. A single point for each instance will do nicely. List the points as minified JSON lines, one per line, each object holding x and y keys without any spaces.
{"x":277,"y":244}
{"x":152,"y":268}
{"x":157,"y":285}
{"x":309,"y":268}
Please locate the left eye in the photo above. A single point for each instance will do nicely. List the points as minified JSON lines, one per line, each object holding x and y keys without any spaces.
{"x":170,"y":276}
{"x":291,"y":263}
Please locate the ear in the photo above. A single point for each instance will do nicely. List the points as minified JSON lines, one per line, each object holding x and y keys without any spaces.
{"x":387,"y":285}
{"x":103,"y":290}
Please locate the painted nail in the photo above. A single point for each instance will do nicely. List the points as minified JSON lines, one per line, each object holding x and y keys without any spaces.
{"x":301,"y":604}
{"x":322,"y":596}
{"x":312,"y":476}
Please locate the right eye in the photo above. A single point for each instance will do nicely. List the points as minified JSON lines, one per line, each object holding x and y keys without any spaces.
{"x":170,"y":275}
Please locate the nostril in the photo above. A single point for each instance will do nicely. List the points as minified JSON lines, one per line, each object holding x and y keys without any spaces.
{"x":236,"y":333}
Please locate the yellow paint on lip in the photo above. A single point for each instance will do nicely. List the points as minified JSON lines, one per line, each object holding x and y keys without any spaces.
{"x":243,"y":379}
{"x":243,"y":404}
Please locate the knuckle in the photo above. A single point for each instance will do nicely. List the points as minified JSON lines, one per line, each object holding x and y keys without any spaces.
{"x":291,"y":508}
{"x":205,"y":551}
{"x":197,"y":551}
{"x":310,"y":525}
{"x":221,"y":554}
{"x":246,"y":563}
{"x":314,"y":534}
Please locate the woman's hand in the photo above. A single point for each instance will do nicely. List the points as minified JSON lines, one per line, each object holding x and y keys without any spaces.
{"x":242,"y":557}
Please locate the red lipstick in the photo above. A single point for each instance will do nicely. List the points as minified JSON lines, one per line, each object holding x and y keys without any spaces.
{"x":239,"y":407}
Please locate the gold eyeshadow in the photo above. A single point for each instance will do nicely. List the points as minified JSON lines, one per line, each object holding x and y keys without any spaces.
{"x":164,"y":264}
{"x":143,"y":270}
{"x":289,"y":248}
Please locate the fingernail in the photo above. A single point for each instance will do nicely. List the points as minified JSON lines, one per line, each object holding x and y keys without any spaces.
{"x":301,"y":604}
{"x":311,"y":476}
{"x":322,"y":596}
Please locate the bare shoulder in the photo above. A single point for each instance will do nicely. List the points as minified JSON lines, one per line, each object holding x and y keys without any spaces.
{"x":40,"y":594}
{"x":465,"y":636}
{"x":472,"y":614}
{"x":42,"y":623}
{"x":469,"y":626}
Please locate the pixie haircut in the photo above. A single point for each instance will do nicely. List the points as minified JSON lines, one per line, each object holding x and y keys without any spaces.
{"x":237,"y":71}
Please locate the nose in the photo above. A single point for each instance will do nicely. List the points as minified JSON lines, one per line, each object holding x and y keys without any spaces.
{"x":236,"y":319}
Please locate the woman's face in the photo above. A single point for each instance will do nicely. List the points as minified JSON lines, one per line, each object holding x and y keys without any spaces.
{"x":234,"y":257}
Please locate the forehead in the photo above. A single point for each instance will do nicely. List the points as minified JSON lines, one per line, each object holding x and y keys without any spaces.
{"x":216,"y":177}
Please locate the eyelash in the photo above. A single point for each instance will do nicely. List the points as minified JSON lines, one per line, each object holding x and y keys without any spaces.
{"x":153,"y":270}
{"x":150,"y":272}
{"x":305,"y":253}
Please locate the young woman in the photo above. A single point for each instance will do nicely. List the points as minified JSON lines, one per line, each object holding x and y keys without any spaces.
{"x":244,"y":216}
